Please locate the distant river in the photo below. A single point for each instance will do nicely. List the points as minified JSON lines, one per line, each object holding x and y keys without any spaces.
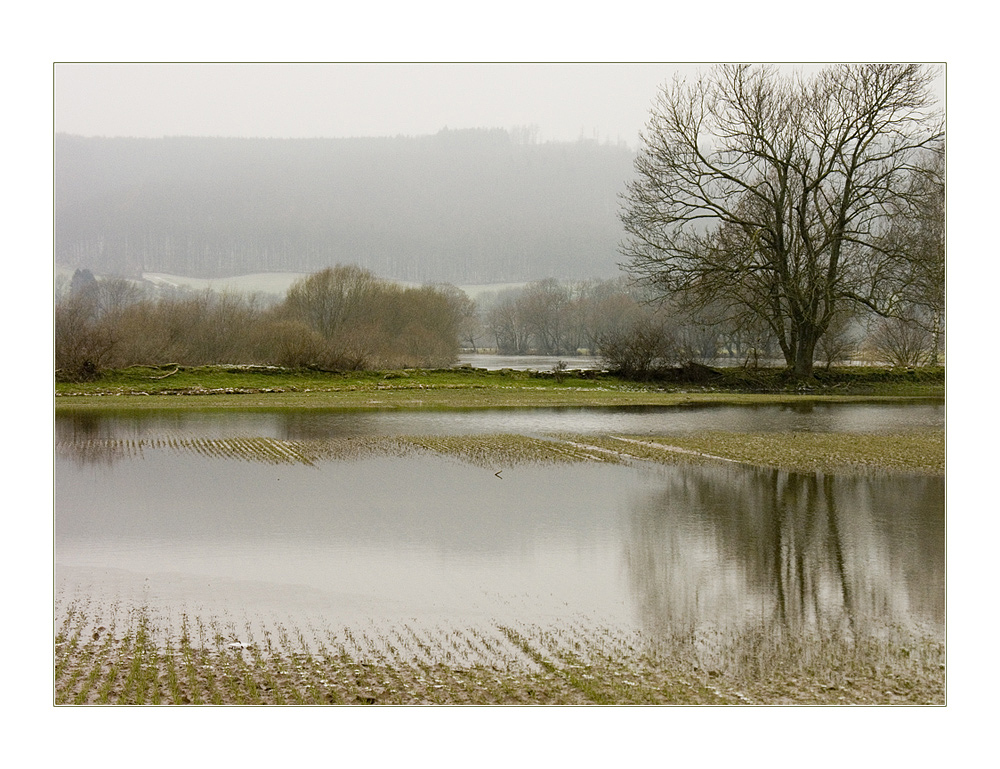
{"x":587,"y":362}
{"x":529,"y":362}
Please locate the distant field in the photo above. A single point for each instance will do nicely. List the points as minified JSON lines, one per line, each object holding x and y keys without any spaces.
{"x":276,"y":283}
{"x":266,"y":282}
{"x":261,"y":282}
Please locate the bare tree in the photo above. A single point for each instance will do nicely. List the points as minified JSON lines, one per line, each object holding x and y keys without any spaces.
{"x":643,"y":347}
{"x":415,"y":327}
{"x":83,"y":344}
{"x":115,"y":294}
{"x":544,"y":307}
{"x":328,"y":300}
{"x":772,"y":194}
{"x":465,"y":311}
{"x":902,"y":341}
{"x":505,"y":320}
{"x":919,"y":231}
{"x":839,"y":342}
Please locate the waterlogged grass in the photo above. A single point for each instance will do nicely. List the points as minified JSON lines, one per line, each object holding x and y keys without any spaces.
{"x":500,"y":450}
{"x":206,"y":380}
{"x":247,"y":448}
{"x":137,"y":661}
{"x":481,"y":450}
{"x":916,"y":452}
{"x":920,"y":452}
{"x":270,"y":388}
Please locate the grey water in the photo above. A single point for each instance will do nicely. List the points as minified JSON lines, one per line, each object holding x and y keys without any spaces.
{"x":297,"y":424}
{"x":529,"y":362}
{"x":542,"y":363}
{"x":428,"y":537}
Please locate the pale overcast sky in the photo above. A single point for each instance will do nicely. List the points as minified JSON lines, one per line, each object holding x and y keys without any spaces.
{"x":609,"y":102}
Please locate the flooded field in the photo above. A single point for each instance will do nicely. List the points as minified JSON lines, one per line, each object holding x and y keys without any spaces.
{"x":529,"y":362}
{"x":318,"y":423}
{"x":473,"y":546}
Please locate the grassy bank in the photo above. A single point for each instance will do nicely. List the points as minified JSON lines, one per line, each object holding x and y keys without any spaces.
{"x":131,"y":660}
{"x":260,"y":387}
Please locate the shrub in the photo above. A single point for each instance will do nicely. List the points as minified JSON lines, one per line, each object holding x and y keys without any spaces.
{"x":641,"y":349}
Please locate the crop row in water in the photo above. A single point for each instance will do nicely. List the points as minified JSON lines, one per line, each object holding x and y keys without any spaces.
{"x":915,"y":452}
{"x":912,"y":452}
{"x":113,"y":656}
{"x":482,"y":450}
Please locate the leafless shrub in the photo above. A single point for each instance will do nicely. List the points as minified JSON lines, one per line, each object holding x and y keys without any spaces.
{"x":340,"y":319}
{"x":639,"y":350}
{"x":83,"y":344}
{"x":901,"y":341}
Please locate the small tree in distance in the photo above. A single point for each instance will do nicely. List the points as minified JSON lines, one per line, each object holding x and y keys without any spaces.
{"x":903,"y":341}
{"x":641,"y":349}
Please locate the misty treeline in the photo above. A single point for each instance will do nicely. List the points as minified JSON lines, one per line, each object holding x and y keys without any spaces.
{"x":346,"y":318}
{"x":640,"y":334}
{"x":341,"y":318}
{"x":461,"y":206}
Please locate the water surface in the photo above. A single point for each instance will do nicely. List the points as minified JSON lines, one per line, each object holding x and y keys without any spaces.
{"x":430,"y":538}
{"x":529,"y":362}
{"x":298,"y":424}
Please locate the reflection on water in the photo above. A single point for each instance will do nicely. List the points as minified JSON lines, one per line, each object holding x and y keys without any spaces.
{"x":427,"y":536}
{"x":588,"y":362}
{"x":309,"y":424}
{"x":731,"y":544}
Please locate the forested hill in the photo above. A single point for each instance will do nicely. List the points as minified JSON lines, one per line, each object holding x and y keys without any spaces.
{"x":470,"y":206}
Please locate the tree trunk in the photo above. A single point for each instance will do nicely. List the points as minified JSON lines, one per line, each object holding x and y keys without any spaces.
{"x":936,"y":359}
{"x":804,"y":354}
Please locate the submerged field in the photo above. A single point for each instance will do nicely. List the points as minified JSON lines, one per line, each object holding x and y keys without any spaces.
{"x":131,"y":660}
{"x":108,"y":652}
{"x":918,"y":452}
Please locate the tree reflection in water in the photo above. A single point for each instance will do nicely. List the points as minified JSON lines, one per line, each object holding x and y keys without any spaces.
{"x":727,"y":547}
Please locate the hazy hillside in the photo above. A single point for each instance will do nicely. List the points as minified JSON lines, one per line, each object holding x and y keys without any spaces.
{"x":459,"y":206}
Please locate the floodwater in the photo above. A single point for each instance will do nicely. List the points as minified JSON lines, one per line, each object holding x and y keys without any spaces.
{"x":428,"y":537}
{"x":529,"y":362}
{"x":295,"y":424}
{"x":541,"y":363}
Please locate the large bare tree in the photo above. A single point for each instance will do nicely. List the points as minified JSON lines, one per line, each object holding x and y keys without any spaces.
{"x":771,"y":194}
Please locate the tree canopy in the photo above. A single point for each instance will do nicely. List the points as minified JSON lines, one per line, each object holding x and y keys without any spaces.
{"x":773,"y":195}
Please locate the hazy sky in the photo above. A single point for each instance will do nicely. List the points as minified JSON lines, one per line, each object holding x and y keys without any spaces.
{"x":565,"y":101}
{"x":607,"y":102}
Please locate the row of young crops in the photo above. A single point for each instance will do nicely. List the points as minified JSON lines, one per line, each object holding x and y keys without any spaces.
{"x":918,"y":451}
{"x":115,"y":655}
{"x":481,"y":450}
